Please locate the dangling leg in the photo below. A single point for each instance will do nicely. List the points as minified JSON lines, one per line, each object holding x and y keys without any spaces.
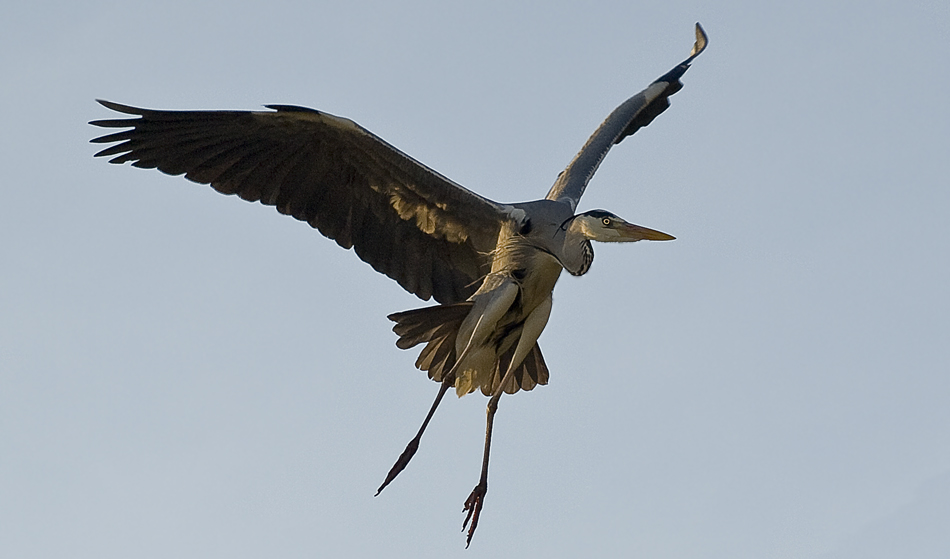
{"x":533,"y":326}
{"x":447,"y":382}
{"x":495,"y":307}
{"x":476,"y":499}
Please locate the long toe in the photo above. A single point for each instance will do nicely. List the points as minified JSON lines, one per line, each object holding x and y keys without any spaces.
{"x":473,"y":505}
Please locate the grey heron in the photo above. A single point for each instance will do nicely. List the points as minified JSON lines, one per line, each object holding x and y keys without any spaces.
{"x":491,"y":267}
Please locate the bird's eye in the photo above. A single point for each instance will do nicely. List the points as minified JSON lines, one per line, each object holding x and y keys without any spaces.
{"x":606,"y":221}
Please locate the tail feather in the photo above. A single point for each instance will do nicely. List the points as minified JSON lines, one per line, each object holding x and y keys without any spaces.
{"x":435,"y":352}
{"x":536,"y":368}
{"x":414,"y":322}
{"x":418,"y":335}
{"x":532,"y":372}
{"x":444,"y":359}
{"x":438,"y":327}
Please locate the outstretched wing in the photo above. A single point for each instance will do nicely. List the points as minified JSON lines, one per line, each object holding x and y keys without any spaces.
{"x":632,"y":115}
{"x":407,"y":221}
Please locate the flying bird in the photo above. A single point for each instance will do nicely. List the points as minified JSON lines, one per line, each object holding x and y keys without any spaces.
{"x":491,"y":267}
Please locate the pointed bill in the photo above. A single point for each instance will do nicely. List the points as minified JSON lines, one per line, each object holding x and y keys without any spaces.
{"x":631,"y":232}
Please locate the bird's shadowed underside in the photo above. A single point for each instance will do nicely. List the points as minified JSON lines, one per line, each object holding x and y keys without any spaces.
{"x":438,"y":327}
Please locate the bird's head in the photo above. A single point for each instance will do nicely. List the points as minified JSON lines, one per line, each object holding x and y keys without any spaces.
{"x":603,"y":226}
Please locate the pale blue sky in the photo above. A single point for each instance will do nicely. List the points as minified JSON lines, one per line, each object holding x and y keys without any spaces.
{"x":184,"y":374}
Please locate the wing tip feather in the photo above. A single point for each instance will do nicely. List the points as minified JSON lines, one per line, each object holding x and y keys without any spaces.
{"x":700,"y":45}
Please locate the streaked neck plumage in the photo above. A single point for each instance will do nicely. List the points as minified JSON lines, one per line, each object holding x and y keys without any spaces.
{"x":576,"y":253}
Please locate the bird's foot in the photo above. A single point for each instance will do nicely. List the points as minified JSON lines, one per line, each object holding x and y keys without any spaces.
{"x":473,"y":505}
{"x":400,"y":464}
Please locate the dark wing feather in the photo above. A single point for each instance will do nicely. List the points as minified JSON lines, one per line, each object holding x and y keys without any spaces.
{"x":632,"y":115}
{"x":404,"y":219}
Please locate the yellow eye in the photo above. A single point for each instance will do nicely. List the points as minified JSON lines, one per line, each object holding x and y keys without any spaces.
{"x":606,"y":221}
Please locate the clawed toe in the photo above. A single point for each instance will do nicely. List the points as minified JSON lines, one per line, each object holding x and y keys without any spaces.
{"x":473,"y":505}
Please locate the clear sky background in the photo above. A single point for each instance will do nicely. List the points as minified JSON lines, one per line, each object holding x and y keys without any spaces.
{"x":184,"y":374}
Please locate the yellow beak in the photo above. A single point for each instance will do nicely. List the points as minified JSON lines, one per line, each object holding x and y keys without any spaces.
{"x":631,"y":232}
